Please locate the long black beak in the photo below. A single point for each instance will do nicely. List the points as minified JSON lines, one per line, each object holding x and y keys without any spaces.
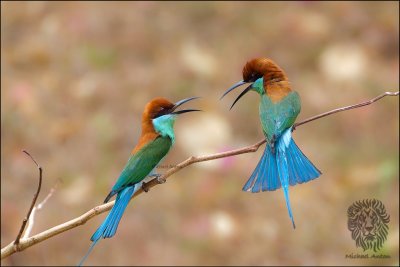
{"x":240,"y":83}
{"x":241,"y":94}
{"x":181,"y":102}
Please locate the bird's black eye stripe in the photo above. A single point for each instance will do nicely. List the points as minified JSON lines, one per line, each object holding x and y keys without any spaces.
{"x":254,"y":76}
{"x":161,"y":112}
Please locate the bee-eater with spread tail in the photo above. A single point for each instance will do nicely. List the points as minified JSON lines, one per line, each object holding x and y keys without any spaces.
{"x":282,"y":163}
{"x":155,"y":141}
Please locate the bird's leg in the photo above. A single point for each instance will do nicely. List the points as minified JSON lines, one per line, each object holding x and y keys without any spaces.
{"x":157,"y":176}
{"x":160,"y":179}
{"x":154,"y":175}
{"x":145,"y":187}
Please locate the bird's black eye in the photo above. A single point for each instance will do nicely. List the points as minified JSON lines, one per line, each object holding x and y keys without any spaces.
{"x":253,"y":77}
{"x":161,"y":111}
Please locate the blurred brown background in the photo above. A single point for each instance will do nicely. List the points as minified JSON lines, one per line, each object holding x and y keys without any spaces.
{"x":76,"y":76}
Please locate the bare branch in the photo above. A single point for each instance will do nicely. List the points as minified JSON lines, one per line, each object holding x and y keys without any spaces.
{"x":16,"y":242}
{"x":30,"y":241}
{"x":346,"y":108}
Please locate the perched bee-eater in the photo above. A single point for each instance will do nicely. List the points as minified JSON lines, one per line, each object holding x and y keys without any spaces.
{"x":155,"y":141}
{"x":282,"y":163}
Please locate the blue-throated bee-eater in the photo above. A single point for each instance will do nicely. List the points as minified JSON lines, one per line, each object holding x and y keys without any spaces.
{"x":156,"y":139}
{"x":282,"y":163}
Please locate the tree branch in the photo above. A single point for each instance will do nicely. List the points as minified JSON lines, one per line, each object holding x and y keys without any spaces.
{"x":21,"y":230}
{"x":346,"y":108}
{"x":30,"y":241}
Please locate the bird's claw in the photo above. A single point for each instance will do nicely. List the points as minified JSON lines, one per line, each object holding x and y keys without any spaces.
{"x":158,"y":177}
{"x":145,"y":187}
{"x":161,"y":179}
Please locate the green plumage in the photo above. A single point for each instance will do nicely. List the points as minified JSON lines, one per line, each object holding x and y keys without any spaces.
{"x":142,"y":163}
{"x":279,"y":116}
{"x":282,"y":163}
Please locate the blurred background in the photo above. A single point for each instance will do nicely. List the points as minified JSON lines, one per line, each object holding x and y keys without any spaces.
{"x":74,"y":81}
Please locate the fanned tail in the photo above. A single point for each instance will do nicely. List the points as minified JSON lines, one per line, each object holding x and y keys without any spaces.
{"x":288,"y":166}
{"x":301,"y":169}
{"x":265,"y":175}
{"x":109,"y":226}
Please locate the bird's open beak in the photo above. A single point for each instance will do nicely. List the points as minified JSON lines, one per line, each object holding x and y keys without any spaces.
{"x":241,"y":94}
{"x":181,"y":102}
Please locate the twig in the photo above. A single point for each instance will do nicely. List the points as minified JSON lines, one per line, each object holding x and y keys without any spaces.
{"x":38,"y":207}
{"x":346,"y":108}
{"x":21,"y":230}
{"x":30,"y":241}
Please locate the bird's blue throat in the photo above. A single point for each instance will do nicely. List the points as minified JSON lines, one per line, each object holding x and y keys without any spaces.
{"x":164,"y":125}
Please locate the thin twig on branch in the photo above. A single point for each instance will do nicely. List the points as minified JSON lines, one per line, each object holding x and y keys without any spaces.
{"x":366,"y":103}
{"x":37,"y":208}
{"x":21,"y":230}
{"x":30,"y":241}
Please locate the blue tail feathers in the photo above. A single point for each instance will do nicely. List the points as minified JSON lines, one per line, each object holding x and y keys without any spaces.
{"x":109,"y":226}
{"x":265,"y":176}
{"x":283,"y":171}
{"x":288,"y":166}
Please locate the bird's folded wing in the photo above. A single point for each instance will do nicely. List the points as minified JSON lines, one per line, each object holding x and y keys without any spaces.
{"x":142,"y":163}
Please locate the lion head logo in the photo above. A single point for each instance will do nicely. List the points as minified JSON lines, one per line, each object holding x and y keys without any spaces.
{"x":368,"y":223}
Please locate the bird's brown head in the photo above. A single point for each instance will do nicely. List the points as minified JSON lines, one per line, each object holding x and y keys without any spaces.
{"x":159,"y":107}
{"x":263,"y":67}
{"x":261,"y":73}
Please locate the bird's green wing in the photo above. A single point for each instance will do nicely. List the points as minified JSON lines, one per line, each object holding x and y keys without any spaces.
{"x":277,"y":117}
{"x":142,"y":163}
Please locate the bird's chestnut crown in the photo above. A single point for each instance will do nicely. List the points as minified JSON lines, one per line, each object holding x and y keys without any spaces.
{"x":161,"y":106}
{"x":158,"y":107}
{"x":262,"y":67}
{"x":260,"y":73}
